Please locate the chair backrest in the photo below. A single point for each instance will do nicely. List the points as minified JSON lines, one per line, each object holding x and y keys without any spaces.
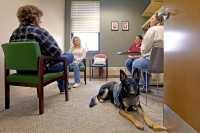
{"x":156,"y":64}
{"x":21,"y":55}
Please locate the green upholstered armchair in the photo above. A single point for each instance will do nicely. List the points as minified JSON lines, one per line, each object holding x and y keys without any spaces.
{"x":27,"y":56}
{"x":82,"y":69}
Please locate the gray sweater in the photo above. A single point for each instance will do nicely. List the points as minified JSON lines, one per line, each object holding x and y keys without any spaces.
{"x":154,"y":37}
{"x":79,"y":53}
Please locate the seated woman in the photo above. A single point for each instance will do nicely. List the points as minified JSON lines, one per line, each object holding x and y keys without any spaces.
{"x":79,"y":53}
{"x":133,"y":48}
{"x":154,"y":37}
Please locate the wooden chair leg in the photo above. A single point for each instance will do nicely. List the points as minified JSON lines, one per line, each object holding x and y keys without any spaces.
{"x":37,"y":92}
{"x":66,"y":90}
{"x":92,"y":72}
{"x":41,"y":100}
{"x":7,"y":96}
{"x":85,"y":76}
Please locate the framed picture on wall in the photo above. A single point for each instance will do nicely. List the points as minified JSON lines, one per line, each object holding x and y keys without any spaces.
{"x":125,"y":26}
{"x":114,"y":26}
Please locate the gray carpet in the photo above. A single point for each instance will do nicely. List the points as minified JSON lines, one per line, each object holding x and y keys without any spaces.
{"x":74,"y":116}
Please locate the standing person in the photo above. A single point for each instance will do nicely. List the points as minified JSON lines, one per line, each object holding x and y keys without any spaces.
{"x":79,"y":53}
{"x":29,"y":29}
{"x":154,"y":37}
{"x":131,"y":58}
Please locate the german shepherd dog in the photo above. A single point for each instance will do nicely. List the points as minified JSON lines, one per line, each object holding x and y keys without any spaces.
{"x":125,"y":96}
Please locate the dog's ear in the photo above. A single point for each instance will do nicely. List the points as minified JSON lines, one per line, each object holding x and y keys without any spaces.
{"x":136,"y":74}
{"x":122,"y":75}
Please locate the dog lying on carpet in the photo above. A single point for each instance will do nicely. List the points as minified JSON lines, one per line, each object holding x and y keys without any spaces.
{"x":125,"y":96}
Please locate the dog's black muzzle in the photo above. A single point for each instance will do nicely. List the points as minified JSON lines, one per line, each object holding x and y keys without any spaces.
{"x":132,"y":93}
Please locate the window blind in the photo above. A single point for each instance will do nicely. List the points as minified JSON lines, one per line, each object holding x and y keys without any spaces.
{"x":85,"y":16}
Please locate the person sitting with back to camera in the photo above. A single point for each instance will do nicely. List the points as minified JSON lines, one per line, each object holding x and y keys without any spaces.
{"x":79,"y":53}
{"x":154,"y":37}
{"x":133,"y":48}
{"x":29,"y":29}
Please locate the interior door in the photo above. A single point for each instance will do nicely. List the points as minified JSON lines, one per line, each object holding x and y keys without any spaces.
{"x":182,"y":66}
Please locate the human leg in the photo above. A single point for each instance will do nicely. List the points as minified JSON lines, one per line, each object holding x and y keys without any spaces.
{"x":128,"y":64}
{"x":142,"y":63}
{"x":60,"y":67}
{"x":77,"y":73}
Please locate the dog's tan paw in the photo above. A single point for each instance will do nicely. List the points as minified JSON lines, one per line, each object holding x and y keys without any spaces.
{"x":158,"y":128}
{"x":149,"y":123}
{"x":101,"y":100}
{"x":139,"y":125}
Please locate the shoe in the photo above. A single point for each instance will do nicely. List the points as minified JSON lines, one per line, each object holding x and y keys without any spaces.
{"x":63,"y":91}
{"x":76,"y":85}
{"x":144,"y":90}
{"x":69,"y":89}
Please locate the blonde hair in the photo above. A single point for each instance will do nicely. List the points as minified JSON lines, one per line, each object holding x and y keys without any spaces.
{"x":73,"y":45}
{"x":27,"y":14}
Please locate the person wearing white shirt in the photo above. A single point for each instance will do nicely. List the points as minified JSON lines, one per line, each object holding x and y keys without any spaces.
{"x":79,"y":53}
{"x":154,"y":37}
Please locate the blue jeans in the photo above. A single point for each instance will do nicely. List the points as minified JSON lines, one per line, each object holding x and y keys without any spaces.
{"x":77,"y":71}
{"x":129,"y":64}
{"x":142,"y":63}
{"x":60,"y":67}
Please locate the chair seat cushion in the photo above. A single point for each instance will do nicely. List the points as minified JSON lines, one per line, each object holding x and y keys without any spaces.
{"x":71,"y":68}
{"x":99,"y":61}
{"x":31,"y":78}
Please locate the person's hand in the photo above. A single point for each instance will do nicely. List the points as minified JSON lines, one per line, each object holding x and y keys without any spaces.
{"x":135,"y":56}
{"x":75,"y":61}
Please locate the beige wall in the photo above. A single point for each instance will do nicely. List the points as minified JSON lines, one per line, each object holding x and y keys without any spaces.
{"x":53,"y":21}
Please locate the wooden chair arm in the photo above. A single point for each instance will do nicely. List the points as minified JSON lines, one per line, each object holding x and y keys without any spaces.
{"x":84,"y":62}
{"x":41,"y":64}
{"x":52,"y":58}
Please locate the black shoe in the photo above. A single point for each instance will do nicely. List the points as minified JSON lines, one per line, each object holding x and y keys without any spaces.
{"x":63,"y":91}
{"x":144,"y":90}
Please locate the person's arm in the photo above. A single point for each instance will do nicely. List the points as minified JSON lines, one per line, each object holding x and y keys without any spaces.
{"x":132,"y":56}
{"x":129,"y":50}
{"x":147,"y":42}
{"x":83,"y":54}
{"x":49,"y":43}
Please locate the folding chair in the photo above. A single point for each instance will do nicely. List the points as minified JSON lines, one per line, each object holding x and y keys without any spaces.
{"x":91,"y":63}
{"x":156,"y":64}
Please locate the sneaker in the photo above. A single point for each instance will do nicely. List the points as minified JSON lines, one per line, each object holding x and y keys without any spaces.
{"x":76,"y":85}
{"x":63,"y":91}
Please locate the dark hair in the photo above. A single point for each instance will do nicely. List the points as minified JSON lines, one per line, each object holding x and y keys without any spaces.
{"x":141,"y":38}
{"x":27,"y":14}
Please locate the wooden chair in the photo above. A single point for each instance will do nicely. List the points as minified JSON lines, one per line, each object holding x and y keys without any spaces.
{"x":82,"y":69}
{"x":26,"y":56}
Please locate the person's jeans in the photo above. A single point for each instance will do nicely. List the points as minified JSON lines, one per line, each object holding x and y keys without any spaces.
{"x":60,"y":67}
{"x":77,"y":71}
{"x":142,"y":63}
{"x":129,"y":64}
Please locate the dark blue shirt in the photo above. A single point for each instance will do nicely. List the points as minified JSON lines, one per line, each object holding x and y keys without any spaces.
{"x":30,"y":32}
